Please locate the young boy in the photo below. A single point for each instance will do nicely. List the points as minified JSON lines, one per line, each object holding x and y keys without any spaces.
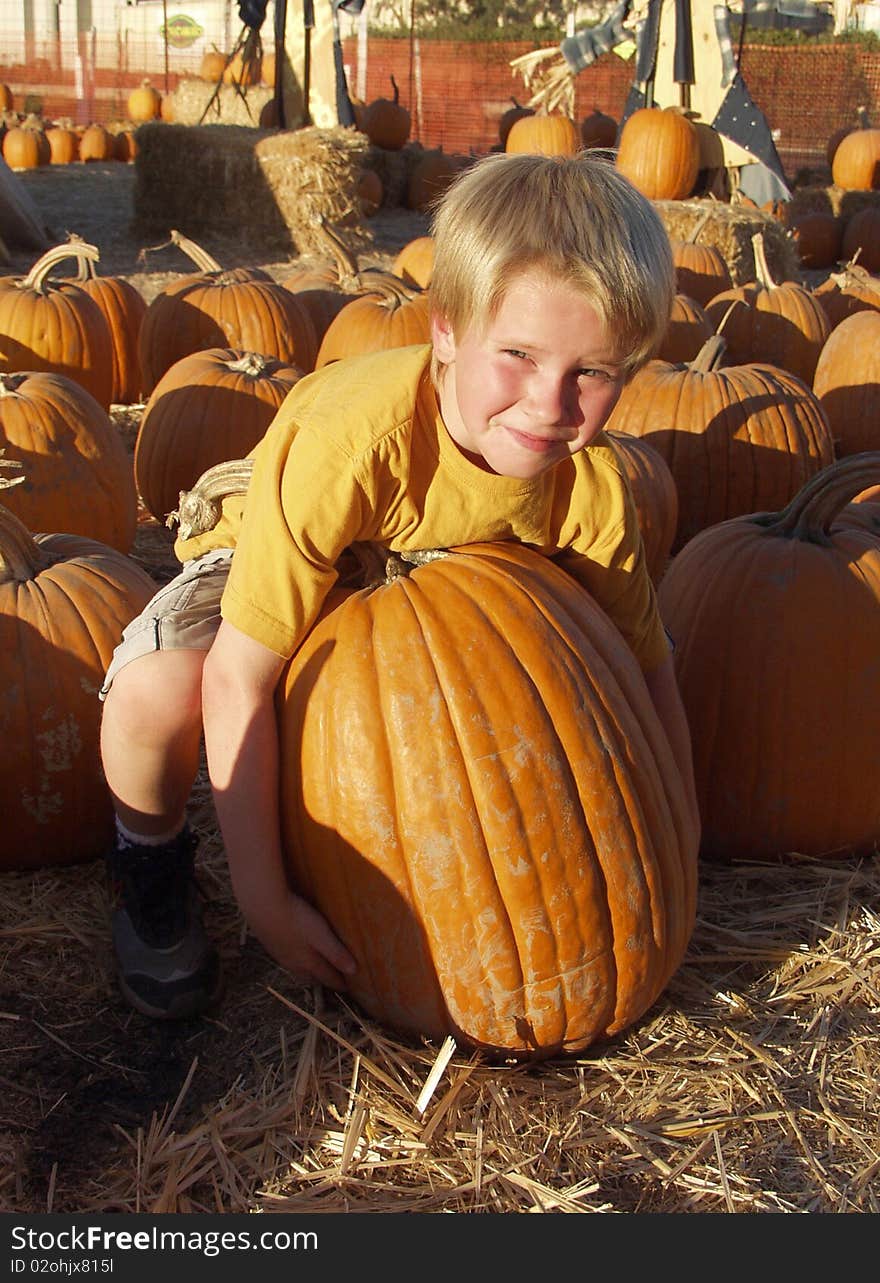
{"x":552,"y":284}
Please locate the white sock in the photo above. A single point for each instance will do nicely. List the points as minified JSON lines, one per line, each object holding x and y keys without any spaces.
{"x":152,"y":839}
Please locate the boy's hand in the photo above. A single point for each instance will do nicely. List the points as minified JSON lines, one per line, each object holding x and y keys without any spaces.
{"x":300,"y":940}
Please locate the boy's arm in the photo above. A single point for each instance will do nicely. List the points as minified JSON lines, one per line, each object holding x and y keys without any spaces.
{"x":664,"y":692}
{"x":241,"y":743}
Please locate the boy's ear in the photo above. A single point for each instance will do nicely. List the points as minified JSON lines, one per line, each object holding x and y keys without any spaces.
{"x":442,"y":338}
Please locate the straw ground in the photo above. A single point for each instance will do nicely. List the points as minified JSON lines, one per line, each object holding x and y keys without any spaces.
{"x":750,"y":1086}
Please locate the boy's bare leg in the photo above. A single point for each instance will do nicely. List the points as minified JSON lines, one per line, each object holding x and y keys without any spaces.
{"x":150,"y":736}
{"x":150,"y":739}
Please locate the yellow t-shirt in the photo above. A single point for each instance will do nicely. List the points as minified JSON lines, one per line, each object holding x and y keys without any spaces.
{"x":358,"y":451}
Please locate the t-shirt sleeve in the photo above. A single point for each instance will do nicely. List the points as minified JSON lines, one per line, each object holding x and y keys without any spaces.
{"x":306,"y":504}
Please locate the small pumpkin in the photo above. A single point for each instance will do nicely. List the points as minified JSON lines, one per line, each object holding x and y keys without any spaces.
{"x":212,"y":65}
{"x":96,"y":144}
{"x":144,"y":103}
{"x":856,"y":164}
{"x":598,"y":129}
{"x":688,"y":329}
{"x":63,"y":143}
{"x":701,"y":271}
{"x":508,"y":119}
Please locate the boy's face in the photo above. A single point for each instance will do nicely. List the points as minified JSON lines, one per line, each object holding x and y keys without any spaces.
{"x":535,"y":385}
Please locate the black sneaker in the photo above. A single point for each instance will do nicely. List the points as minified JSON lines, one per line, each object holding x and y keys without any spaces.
{"x":168,"y":968}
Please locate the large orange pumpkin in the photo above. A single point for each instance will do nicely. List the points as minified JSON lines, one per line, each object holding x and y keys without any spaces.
{"x":241,"y":308}
{"x":209,"y":407}
{"x":477,"y":793}
{"x":847,"y":383}
{"x":78,"y":476}
{"x":659,"y":152}
{"x":776,"y":618}
{"x":737,"y":439}
{"x":856,"y":163}
{"x":52,"y":324}
{"x":64,"y":601}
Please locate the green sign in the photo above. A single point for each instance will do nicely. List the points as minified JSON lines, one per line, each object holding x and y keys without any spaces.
{"x":181,"y":31}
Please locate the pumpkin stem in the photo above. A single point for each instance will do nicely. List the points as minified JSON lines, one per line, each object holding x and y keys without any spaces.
{"x":396,"y":97}
{"x":810,"y":514}
{"x":378,"y":565}
{"x":251,"y":364}
{"x":344,"y":261}
{"x":198,"y":510}
{"x":711,"y":353}
{"x":20,"y":556}
{"x":199,"y":256}
{"x":762,"y":271}
{"x":43,"y":266}
{"x":10,"y":382}
{"x":85,"y":266}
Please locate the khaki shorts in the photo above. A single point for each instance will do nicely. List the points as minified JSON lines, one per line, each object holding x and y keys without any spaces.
{"x":183,"y":615}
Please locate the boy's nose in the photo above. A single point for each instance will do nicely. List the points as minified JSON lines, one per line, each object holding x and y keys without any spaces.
{"x":552,"y":400}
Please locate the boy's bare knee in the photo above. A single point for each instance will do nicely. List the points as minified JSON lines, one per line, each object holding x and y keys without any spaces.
{"x":164,"y":684}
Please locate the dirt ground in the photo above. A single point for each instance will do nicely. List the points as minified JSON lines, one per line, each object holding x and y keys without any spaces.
{"x":96,"y":201}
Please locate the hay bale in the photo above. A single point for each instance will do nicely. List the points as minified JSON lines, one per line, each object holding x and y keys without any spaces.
{"x":272,"y":185}
{"x":830,"y":200}
{"x":194,"y":99}
{"x":729,"y":229}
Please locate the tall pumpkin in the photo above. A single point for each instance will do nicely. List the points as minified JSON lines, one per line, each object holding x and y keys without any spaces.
{"x":776,"y":618}
{"x":64,"y":601}
{"x":54,"y":325}
{"x":78,"y":474}
{"x":241,"y":308}
{"x":741,"y":438}
{"x":659,"y":152}
{"x":477,"y":793}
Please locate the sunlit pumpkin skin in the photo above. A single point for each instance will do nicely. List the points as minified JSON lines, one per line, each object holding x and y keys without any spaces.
{"x":209,"y":407}
{"x":26,"y":147}
{"x":656,"y":498}
{"x":737,"y":439}
{"x":241,"y":308}
{"x":544,"y":135}
{"x":63,"y":145}
{"x":64,"y":601}
{"x":124,"y":307}
{"x":659,"y":152}
{"x":144,"y":103}
{"x":701,"y":271}
{"x":508,"y":119}
{"x":776,"y":619}
{"x":96,"y":144}
{"x":213,"y":65}
{"x":52,"y":324}
{"x":391,"y":314}
{"x":477,"y":793}
{"x":847,"y":383}
{"x":856,"y":163}
{"x":77,"y":473}
{"x":778,"y":323}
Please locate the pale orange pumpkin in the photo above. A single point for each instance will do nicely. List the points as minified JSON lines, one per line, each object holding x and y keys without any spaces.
{"x":550,"y":134}
{"x":477,"y":793}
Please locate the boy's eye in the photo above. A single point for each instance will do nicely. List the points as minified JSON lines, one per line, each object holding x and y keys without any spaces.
{"x":514,"y":351}
{"x":590,"y":372}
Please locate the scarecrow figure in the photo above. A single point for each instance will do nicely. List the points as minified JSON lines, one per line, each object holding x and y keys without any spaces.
{"x":684,"y":58}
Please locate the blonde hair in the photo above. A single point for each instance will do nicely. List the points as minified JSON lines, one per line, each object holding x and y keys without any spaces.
{"x":576,"y":218}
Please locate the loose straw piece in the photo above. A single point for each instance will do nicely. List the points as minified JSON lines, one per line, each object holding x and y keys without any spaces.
{"x":444,"y":1055}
